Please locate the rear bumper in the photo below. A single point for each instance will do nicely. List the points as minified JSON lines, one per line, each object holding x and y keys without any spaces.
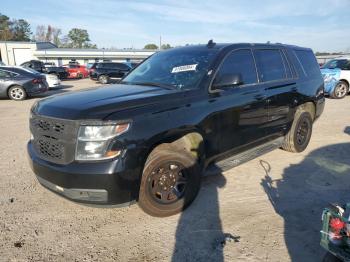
{"x":98,"y":183}
{"x":39,"y":88}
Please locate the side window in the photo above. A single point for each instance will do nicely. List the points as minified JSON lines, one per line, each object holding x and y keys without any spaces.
{"x":308,"y":63}
{"x":270,"y":64}
{"x":287,"y":65}
{"x":4,"y":74}
{"x":240,"y":62}
{"x":347,"y":65}
{"x":122,"y":67}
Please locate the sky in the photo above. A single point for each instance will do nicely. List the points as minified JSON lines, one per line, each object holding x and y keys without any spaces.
{"x":323,"y":25}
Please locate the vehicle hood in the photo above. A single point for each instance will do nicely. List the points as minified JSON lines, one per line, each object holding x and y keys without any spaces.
{"x":98,"y":103}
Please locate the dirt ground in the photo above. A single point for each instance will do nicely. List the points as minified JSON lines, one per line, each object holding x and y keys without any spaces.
{"x":270,"y":208}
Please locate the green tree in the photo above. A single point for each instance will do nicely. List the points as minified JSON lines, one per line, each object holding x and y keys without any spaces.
{"x":20,"y":30}
{"x":5,"y":33}
{"x":166,"y":46}
{"x":78,"y":37}
{"x":151,"y":46}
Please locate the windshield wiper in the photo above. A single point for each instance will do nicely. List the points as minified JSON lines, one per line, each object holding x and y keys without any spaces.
{"x":167,"y":86}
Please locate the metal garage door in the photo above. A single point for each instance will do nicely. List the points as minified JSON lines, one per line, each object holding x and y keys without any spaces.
{"x":22,"y":55}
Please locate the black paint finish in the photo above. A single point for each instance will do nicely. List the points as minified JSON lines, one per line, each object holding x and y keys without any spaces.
{"x":230,"y":120}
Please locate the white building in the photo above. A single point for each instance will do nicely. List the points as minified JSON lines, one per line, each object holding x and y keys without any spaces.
{"x":15,"y":53}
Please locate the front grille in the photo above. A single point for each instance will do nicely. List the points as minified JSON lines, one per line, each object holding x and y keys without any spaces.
{"x":54,"y":139}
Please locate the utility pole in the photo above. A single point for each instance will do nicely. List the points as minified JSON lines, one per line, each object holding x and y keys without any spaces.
{"x":160,"y":42}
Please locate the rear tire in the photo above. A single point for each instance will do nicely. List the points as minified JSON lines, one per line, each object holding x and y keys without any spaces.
{"x":17,"y":93}
{"x":103,"y":79}
{"x":340,"y":90}
{"x":298,"y":137}
{"x":170,"y":182}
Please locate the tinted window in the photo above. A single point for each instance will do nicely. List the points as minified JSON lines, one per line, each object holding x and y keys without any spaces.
{"x":240,"y":62}
{"x":122,"y":67}
{"x":343,"y":64}
{"x":6,"y":74}
{"x":270,"y":64}
{"x":287,"y":65}
{"x":103,"y":65}
{"x":308,"y":62}
{"x":181,"y":68}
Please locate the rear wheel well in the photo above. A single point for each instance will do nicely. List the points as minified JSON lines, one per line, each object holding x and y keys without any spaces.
{"x":346,"y":81}
{"x":309,"y":107}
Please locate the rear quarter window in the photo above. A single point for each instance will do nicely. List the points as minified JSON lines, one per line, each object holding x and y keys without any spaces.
{"x":308,"y":63}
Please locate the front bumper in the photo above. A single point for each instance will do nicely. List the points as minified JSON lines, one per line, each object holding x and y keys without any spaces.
{"x":97,"y":183}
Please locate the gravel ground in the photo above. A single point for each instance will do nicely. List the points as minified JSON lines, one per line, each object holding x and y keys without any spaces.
{"x":268,"y":209}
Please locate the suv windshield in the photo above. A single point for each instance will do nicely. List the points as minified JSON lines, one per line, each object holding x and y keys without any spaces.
{"x":180,"y":68}
{"x":337,"y":63}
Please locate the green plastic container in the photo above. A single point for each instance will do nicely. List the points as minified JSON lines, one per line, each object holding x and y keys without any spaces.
{"x":340,"y":249}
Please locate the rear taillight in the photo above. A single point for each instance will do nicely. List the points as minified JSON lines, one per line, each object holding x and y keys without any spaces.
{"x":337,"y":230}
{"x":37,"y":81}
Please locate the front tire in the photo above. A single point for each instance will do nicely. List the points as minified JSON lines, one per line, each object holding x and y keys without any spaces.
{"x":340,"y":90}
{"x":298,"y":137}
{"x":17,"y":93}
{"x":170,"y":182}
{"x":103,"y":79}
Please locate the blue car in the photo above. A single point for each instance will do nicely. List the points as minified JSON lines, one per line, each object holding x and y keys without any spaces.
{"x":336,"y":75}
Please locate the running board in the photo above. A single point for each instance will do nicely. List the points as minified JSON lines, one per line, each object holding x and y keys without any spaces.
{"x":243,"y":157}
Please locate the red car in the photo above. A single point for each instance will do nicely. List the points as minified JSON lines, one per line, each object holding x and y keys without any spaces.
{"x":77,"y":71}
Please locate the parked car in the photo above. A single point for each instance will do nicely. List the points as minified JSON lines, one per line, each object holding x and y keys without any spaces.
{"x":39,"y":66}
{"x":17,"y":83}
{"x":336,"y":74}
{"x":89,"y":65}
{"x":77,"y":71}
{"x":103,"y":72}
{"x":51,"y":79}
{"x":49,"y":64}
{"x":149,"y":138}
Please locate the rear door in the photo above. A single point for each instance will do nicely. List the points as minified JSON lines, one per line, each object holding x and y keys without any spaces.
{"x":278,"y":81}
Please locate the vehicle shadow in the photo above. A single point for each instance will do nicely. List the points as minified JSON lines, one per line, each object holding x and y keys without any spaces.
{"x":199,"y":235}
{"x":54,"y":91}
{"x":305,"y":189}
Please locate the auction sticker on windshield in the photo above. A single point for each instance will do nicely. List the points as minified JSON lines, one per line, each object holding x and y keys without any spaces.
{"x":184,"y":68}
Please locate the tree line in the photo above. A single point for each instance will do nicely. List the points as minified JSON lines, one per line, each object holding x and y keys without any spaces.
{"x":20,"y":30}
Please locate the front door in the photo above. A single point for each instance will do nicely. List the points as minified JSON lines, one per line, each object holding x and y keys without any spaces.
{"x":242,"y":111}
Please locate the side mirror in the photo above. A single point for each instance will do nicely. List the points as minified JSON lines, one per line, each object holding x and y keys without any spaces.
{"x":227,"y":80}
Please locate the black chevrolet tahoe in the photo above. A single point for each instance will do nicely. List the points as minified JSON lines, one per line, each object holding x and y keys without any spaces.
{"x":103,"y":72}
{"x":179,"y":113}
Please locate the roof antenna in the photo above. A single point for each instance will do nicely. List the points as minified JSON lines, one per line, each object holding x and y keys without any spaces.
{"x":211,"y":43}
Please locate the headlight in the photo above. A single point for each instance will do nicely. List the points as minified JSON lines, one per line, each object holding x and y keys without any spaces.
{"x":94,"y":141}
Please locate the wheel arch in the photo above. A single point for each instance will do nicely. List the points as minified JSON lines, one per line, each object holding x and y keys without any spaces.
{"x":346,"y":81}
{"x":309,"y":107}
{"x":191,"y":141}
